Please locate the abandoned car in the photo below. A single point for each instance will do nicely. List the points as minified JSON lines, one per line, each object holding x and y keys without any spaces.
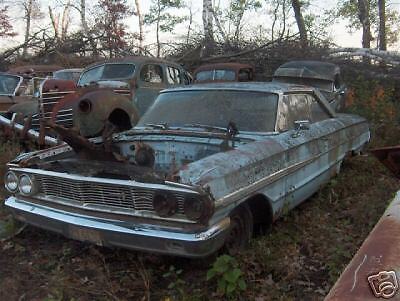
{"x":203,"y":166}
{"x":322,"y":75}
{"x":224,"y":72}
{"x":116,"y":91}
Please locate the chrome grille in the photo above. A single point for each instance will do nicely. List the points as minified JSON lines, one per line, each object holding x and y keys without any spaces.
{"x":47,"y":102}
{"x":92,"y":193}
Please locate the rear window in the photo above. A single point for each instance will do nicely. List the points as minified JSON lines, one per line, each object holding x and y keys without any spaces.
{"x":217,"y":75}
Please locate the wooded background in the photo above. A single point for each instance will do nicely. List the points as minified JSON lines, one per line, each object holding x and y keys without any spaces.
{"x":292,"y":29}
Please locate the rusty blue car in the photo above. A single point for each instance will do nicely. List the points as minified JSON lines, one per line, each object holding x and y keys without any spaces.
{"x":203,"y":167}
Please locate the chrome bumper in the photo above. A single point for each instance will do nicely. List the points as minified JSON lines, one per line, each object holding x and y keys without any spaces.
{"x":107,"y":232}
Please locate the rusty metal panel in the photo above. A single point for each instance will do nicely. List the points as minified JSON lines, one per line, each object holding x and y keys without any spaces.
{"x":375,"y":269}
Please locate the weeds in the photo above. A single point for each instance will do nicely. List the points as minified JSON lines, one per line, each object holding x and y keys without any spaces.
{"x":230,"y":279}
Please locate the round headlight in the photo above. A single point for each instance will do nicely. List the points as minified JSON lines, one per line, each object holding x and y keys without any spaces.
{"x":11,"y":181}
{"x":165,"y":204}
{"x":198,"y":208}
{"x":26,"y":185}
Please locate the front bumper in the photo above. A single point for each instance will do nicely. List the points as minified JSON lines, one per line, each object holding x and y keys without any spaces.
{"x":108,"y":232}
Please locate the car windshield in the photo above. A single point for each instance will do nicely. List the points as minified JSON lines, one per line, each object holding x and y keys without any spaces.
{"x":8,"y":84}
{"x":67,"y":75}
{"x":218,"y":74}
{"x":250,"y":111}
{"x":107,"y":72}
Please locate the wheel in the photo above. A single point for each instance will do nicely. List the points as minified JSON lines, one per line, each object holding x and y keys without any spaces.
{"x":240,"y":229}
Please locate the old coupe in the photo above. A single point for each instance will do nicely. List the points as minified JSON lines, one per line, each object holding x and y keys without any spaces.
{"x":202,"y":167}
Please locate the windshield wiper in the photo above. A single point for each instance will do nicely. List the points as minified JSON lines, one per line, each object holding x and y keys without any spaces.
{"x":206,"y":127}
{"x":162,"y":126}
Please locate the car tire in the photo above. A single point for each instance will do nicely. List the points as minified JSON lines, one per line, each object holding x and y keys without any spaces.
{"x":240,"y":229}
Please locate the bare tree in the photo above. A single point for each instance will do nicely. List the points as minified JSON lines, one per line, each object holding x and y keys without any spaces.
{"x":300,"y":22}
{"x":208,"y":27}
{"x":55,"y":22}
{"x":6,"y":28}
{"x":363,"y":15}
{"x":138,"y":13}
{"x":28,"y":15}
{"x":382,"y":24}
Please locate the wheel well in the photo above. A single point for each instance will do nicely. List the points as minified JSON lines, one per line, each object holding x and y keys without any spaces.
{"x":121,"y":119}
{"x":261,"y":210}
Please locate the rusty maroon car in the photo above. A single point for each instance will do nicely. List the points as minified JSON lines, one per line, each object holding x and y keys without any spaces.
{"x":202,"y":168}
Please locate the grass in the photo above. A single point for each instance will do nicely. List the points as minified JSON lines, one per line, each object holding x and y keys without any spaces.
{"x":300,"y":259}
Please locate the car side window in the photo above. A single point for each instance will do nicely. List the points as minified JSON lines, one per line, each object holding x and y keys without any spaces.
{"x":186,"y":78}
{"x":317,"y":111}
{"x":293,"y":107}
{"x":151,"y":73}
{"x":244,"y":75}
{"x":173,"y":76}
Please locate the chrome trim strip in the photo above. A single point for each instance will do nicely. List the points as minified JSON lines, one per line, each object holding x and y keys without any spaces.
{"x":237,"y":194}
{"x":111,"y":225}
{"x":113,"y":210}
{"x":128,"y":183}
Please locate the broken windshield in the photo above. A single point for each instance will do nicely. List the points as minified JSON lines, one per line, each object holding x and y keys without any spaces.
{"x":248,"y":110}
{"x":8,"y":84}
{"x":107,"y":72}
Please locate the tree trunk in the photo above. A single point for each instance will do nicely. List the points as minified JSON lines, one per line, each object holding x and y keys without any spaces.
{"x":54,"y":23}
{"x":363,"y":15}
{"x":85,"y":27}
{"x":65,"y":21}
{"x":158,"y":29}
{"x":208,"y":27}
{"x":296,"y":5}
{"x":28,"y":15}
{"x":382,"y":25}
{"x":139,"y":15}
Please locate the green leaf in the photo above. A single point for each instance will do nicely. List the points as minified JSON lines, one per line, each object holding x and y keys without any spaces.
{"x":210,"y":274}
{"x":230,"y":288}
{"x":242,"y":284}
{"x":221,"y":285}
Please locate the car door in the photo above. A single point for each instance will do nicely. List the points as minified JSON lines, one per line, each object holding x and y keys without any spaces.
{"x":151,"y":80}
{"x":312,"y":156}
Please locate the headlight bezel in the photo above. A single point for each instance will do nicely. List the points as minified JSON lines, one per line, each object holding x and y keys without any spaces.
{"x":198,"y":208}
{"x":6,"y":182}
{"x":32,"y":182}
{"x":165,"y":204}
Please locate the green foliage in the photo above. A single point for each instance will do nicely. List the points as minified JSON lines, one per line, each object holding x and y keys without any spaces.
{"x":159,"y":13}
{"x":176,"y":283}
{"x":348,"y":9}
{"x":230,"y":278}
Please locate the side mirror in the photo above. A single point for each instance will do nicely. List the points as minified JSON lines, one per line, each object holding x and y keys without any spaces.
{"x":301,"y":125}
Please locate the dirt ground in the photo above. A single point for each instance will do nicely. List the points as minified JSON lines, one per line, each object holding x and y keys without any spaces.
{"x":299,"y":259}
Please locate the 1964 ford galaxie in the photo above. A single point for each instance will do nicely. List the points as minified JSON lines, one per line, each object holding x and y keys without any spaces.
{"x":203,"y":166}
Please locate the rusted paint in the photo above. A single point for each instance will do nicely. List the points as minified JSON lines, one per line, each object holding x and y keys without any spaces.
{"x":58,"y":85}
{"x":390,"y":157}
{"x":34,"y":70}
{"x":379,"y":252}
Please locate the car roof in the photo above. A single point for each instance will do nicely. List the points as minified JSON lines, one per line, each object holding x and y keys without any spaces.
{"x":273,"y":87}
{"x":308,"y":69}
{"x":134,"y":59}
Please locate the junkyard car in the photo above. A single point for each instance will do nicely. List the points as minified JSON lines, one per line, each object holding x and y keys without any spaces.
{"x":202,"y":167}
{"x":224,"y":72}
{"x":323,"y":75}
{"x":16,"y":90}
{"x":19,"y":87}
{"x":115,"y":91}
